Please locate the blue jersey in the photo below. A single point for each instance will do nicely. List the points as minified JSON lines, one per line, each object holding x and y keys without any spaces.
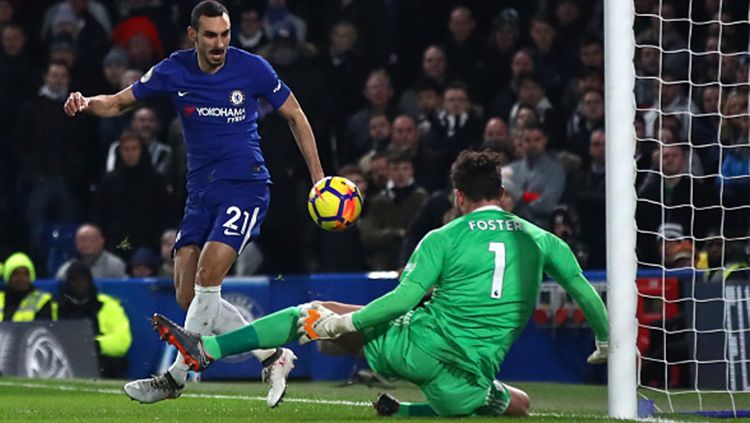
{"x":218,"y":112}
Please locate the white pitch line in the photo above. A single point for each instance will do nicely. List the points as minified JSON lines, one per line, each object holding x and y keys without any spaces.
{"x":110,"y":391}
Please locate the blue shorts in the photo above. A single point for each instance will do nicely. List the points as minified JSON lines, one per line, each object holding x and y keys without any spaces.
{"x":226,"y":211}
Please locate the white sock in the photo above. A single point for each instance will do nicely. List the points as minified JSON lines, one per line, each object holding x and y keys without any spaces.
{"x":200,"y":319}
{"x":230,"y":319}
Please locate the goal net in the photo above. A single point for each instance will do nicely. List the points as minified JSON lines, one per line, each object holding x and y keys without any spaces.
{"x":692,"y":209}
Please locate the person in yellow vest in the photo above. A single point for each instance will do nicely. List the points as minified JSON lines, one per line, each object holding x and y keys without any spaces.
{"x":21,"y":302}
{"x":79,"y":299}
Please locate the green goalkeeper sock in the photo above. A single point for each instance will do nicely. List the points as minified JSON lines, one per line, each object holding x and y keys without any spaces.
{"x":271,"y":331}
{"x":415,"y":409}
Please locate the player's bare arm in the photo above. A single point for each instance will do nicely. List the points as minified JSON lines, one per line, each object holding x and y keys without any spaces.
{"x":303,"y":134}
{"x":100,"y":105}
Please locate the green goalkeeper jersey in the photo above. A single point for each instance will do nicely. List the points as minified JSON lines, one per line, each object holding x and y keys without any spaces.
{"x":486,"y":268}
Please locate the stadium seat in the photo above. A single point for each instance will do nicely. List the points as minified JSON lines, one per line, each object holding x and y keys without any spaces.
{"x":58,"y":241}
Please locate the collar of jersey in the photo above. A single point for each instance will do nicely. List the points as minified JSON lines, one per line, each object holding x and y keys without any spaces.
{"x":485,"y":208}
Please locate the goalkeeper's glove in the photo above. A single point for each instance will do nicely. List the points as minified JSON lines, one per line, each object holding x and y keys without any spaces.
{"x":600,"y":355}
{"x":317,"y":322}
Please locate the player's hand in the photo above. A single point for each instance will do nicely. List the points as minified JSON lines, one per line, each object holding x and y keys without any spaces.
{"x":317,"y":322}
{"x":600,"y":355}
{"x":75,"y":103}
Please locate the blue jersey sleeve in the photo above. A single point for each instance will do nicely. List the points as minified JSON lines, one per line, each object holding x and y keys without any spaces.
{"x":153,"y":82}
{"x":270,"y":87}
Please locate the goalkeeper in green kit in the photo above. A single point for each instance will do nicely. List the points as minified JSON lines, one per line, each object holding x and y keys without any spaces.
{"x":486,"y":268}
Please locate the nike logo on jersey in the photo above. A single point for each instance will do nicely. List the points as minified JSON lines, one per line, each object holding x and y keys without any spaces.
{"x":182,"y":93}
{"x":278,"y":87}
{"x":227,"y":232}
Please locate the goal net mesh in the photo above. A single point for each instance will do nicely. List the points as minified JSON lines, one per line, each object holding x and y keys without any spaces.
{"x":693,"y":204}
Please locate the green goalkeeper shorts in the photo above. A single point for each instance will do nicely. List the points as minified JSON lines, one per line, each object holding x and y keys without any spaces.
{"x":450,"y":391}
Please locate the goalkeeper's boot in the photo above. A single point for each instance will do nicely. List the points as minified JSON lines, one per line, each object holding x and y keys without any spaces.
{"x":276,"y":369}
{"x":189,"y":344}
{"x":153,"y":389}
{"x":386,"y":404}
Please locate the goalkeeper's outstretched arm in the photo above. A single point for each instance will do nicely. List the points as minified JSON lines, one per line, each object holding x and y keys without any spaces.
{"x":561,"y":264}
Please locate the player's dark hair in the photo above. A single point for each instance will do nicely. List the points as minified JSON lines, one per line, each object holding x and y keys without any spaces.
{"x":477,"y":175}
{"x":207,"y":8}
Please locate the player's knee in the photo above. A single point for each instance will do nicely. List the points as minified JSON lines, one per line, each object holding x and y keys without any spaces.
{"x":207,"y":276}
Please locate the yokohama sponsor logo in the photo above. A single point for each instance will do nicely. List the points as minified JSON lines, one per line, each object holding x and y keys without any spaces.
{"x":220,"y":111}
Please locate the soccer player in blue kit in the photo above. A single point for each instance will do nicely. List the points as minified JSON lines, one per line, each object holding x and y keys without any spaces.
{"x":215,"y":90}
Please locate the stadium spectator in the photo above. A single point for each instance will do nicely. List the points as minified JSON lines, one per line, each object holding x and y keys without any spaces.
{"x":532,"y":93}
{"x":463,"y":49}
{"x":647,"y":67}
{"x":674,"y":102}
{"x":537,"y":180}
{"x":249,"y":35}
{"x":434,"y":70}
{"x":21,"y":301}
{"x":344,"y":69}
{"x":591,"y":54}
{"x":166,"y":267}
{"x":503,"y":42}
{"x":380,"y":136}
{"x":134,"y":202}
{"x":496,"y":131}
{"x":114,"y":65}
{"x":140,"y":37}
{"x":588,"y":116}
{"x":90,"y":249}
{"x":564,"y":223}
{"x":86,"y":24}
{"x":550,"y":55}
{"x":144,"y":263}
{"x":521,"y":65}
{"x":456,"y":127}
{"x":55,"y":158}
{"x":383,"y":228}
{"x":587,"y":79}
{"x":677,"y":198}
{"x":7,"y":12}
{"x":670,"y":37}
{"x":277,"y":15}
{"x":586,"y":191}
{"x":377,"y":176}
{"x":145,"y":124}
{"x":16,"y":73}
{"x":80,"y":299}
{"x":734,"y":182}
{"x":379,"y":92}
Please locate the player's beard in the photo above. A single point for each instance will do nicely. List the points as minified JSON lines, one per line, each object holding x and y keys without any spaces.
{"x":215,"y":60}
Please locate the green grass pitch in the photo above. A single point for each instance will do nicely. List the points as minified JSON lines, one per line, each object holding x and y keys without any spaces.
{"x":103,"y":401}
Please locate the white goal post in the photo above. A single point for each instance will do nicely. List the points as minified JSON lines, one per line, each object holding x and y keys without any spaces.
{"x":619,"y":80}
{"x":678,"y":244}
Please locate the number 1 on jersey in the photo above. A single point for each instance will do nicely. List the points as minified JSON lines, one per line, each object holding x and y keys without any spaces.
{"x":497,"y":277}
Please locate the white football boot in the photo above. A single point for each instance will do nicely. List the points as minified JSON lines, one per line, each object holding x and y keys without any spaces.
{"x":153,"y":389}
{"x":276,"y":369}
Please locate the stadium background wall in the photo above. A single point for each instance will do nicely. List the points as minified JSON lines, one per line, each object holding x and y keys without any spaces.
{"x":552,"y":348}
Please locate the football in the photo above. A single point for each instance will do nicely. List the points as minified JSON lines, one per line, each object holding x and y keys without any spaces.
{"x":334,"y":203}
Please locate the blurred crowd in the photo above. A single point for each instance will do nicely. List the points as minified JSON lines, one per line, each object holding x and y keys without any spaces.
{"x":394,"y":90}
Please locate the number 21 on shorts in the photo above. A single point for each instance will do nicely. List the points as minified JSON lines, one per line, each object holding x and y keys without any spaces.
{"x":231,"y":226}
{"x":497,"y":277}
